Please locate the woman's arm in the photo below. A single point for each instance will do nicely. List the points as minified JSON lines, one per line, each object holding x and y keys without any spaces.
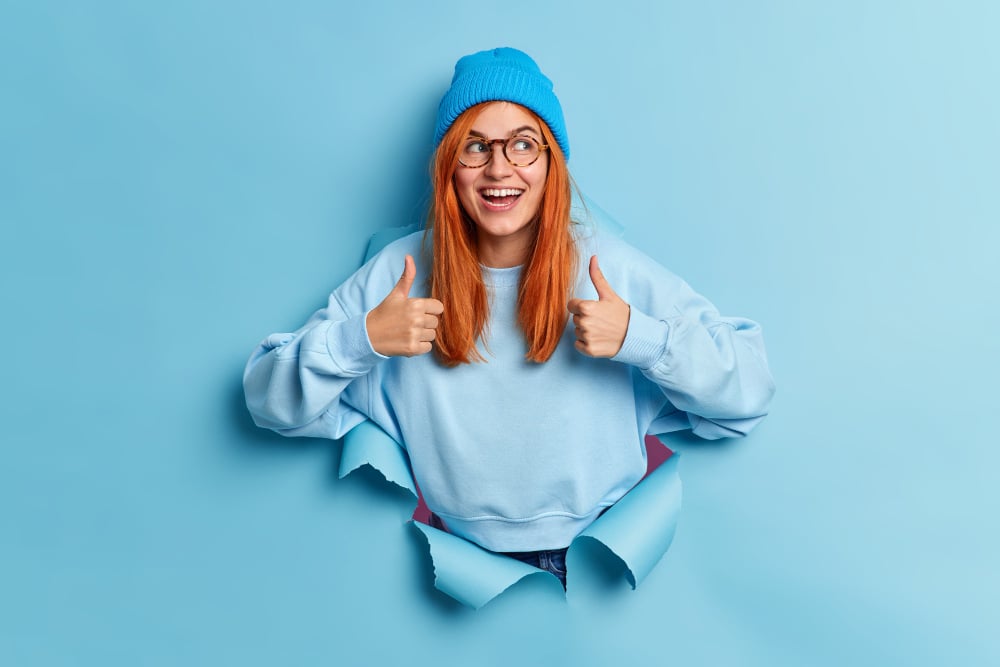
{"x":295,"y":383}
{"x":712,"y":368}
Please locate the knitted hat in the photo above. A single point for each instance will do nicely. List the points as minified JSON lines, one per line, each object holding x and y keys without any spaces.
{"x":502,"y":74}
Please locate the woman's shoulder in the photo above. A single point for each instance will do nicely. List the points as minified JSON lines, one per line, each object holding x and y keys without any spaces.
{"x":387,"y":252}
{"x":380,"y":272}
{"x":631,"y":272}
{"x":406,"y":240}
{"x":384,"y":263}
{"x":613,"y":250}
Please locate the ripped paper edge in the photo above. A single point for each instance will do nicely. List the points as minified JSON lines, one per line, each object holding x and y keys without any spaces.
{"x":638,"y":529}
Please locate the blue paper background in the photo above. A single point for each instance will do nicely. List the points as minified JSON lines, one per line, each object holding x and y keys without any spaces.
{"x":178,"y":180}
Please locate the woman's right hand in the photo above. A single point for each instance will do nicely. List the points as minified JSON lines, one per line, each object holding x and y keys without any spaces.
{"x":401,"y":326}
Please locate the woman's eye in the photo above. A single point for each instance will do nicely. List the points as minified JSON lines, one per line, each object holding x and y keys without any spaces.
{"x":520,"y":145}
{"x":476,"y":147}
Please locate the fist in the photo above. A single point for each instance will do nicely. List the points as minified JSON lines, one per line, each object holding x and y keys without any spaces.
{"x":600,"y":325}
{"x":401,"y":326}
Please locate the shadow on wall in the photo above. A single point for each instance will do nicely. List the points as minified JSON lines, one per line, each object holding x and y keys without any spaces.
{"x":255,"y":440}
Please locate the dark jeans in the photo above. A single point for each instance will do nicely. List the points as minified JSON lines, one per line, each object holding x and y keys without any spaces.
{"x":550,"y":560}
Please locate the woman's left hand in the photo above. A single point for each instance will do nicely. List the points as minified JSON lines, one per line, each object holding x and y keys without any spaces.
{"x":600,"y":325}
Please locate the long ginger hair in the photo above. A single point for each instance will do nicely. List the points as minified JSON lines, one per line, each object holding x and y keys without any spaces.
{"x":456,"y":278}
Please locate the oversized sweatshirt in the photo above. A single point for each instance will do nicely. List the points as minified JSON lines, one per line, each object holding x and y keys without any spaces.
{"x":516,"y":455}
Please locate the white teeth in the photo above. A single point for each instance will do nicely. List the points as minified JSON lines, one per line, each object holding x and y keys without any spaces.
{"x":502,"y":192}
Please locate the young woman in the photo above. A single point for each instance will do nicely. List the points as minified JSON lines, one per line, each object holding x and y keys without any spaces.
{"x":518,"y":356}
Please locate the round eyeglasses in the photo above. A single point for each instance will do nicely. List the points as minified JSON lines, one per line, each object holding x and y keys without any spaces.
{"x":520,"y":151}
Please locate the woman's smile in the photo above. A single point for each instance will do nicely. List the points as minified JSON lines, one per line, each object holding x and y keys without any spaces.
{"x":500,"y":199}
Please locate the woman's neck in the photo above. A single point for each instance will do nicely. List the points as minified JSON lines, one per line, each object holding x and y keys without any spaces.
{"x":506,"y":251}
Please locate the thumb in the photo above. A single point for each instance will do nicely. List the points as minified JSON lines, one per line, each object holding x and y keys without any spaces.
{"x":402,"y":287}
{"x":601,"y":284}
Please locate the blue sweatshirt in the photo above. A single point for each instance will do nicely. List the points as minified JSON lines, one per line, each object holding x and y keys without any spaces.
{"x":516,"y":455}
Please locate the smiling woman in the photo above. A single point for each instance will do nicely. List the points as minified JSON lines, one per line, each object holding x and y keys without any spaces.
{"x":506,"y":215}
{"x":503,"y":338}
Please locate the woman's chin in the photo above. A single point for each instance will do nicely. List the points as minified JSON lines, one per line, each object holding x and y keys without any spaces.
{"x":501,"y":227}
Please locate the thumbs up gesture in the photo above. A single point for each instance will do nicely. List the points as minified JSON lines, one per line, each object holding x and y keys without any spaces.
{"x":401,"y":326}
{"x":600,"y":325}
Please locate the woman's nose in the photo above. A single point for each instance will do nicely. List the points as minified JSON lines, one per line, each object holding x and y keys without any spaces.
{"x":498,"y":166}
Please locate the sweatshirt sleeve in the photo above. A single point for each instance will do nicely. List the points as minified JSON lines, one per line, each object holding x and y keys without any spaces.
{"x":295,"y":383}
{"x":712,"y":368}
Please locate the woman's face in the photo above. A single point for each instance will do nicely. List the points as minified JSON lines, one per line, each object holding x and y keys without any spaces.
{"x":502,"y":199}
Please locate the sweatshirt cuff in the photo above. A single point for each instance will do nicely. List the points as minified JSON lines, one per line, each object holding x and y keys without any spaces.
{"x":645,"y":340}
{"x":348,"y":345}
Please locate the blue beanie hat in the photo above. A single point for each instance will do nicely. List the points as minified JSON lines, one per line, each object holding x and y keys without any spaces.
{"x":506,"y":75}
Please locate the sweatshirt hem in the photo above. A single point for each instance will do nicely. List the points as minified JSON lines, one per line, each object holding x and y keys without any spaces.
{"x":550,"y":530}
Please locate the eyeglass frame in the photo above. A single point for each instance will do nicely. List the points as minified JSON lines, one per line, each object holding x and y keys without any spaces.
{"x":503,"y":142}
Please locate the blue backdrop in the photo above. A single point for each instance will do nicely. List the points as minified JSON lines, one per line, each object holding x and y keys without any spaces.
{"x":179,"y":180}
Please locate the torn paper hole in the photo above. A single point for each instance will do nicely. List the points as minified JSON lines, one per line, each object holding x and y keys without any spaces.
{"x":638,"y":529}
